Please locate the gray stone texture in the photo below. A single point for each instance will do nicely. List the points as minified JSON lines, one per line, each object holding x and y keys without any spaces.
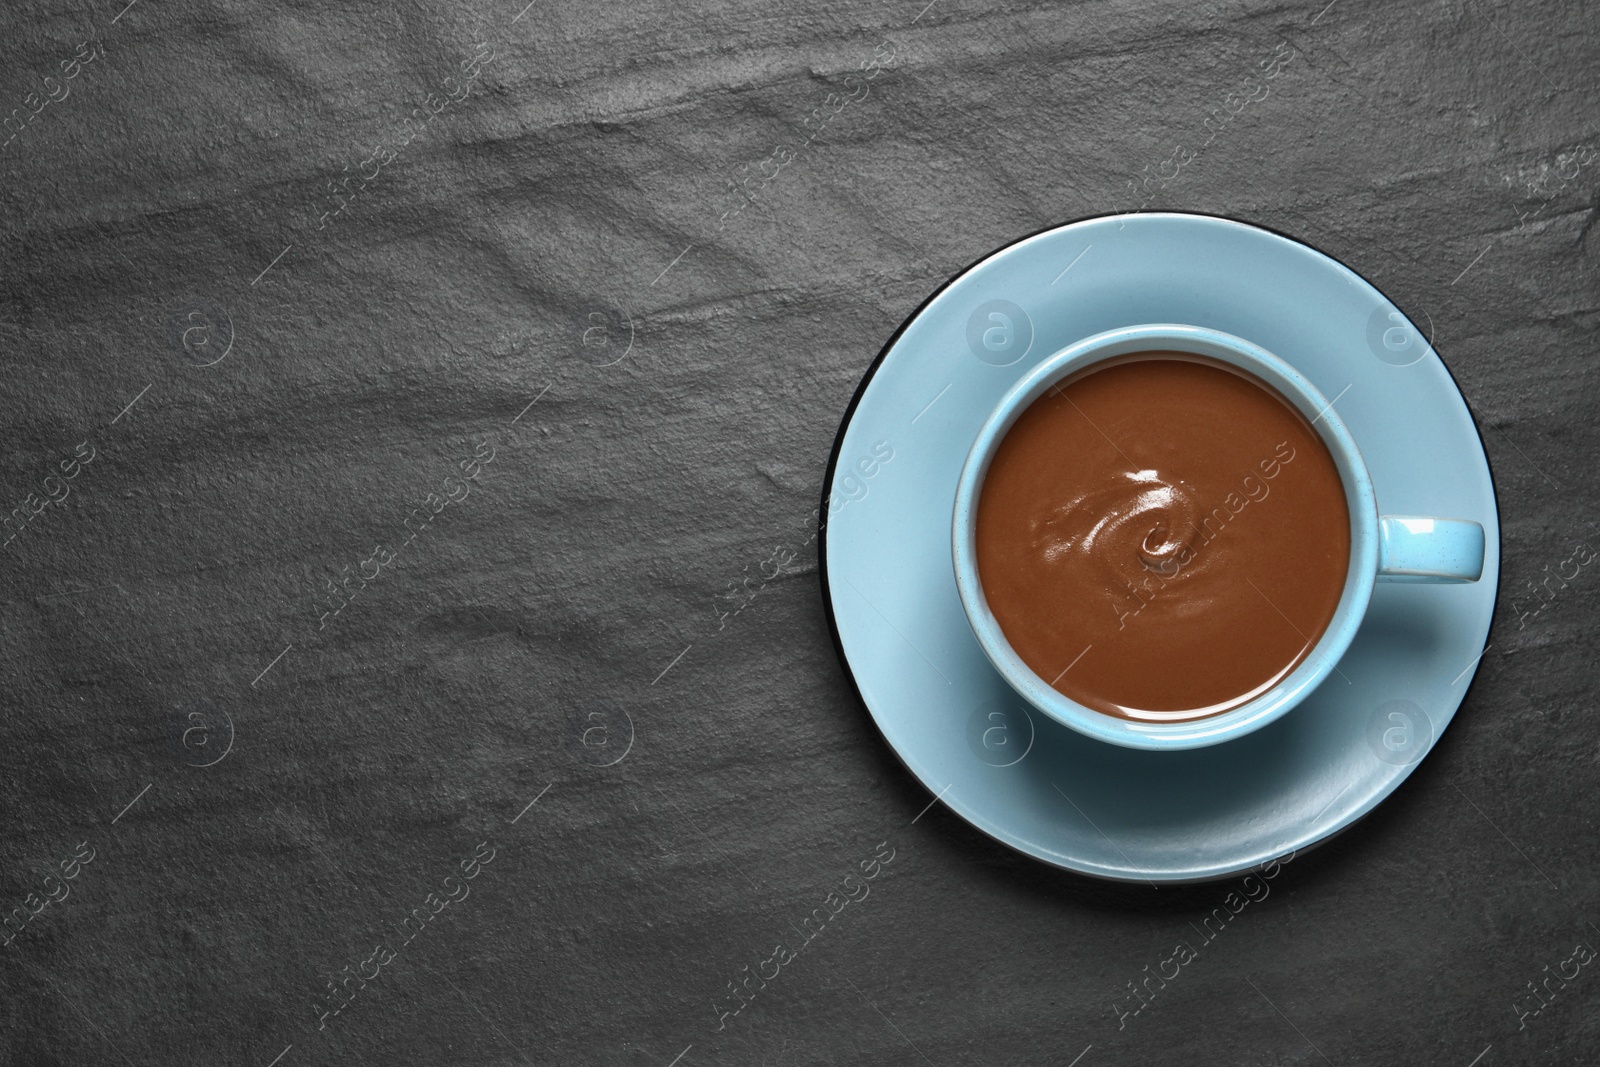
{"x":309,"y":396}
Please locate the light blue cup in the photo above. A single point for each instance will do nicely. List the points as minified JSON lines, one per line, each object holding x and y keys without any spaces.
{"x":1391,"y":548}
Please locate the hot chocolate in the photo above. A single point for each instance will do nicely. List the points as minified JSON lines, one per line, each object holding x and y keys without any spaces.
{"x":1162,"y":537}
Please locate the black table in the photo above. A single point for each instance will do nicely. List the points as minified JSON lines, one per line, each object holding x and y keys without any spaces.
{"x":406,"y":407}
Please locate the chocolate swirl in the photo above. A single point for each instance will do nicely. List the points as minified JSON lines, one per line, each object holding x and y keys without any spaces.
{"x":1129,"y":526}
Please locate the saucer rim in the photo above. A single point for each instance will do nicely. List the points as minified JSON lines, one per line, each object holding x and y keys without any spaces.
{"x":1152,"y":879}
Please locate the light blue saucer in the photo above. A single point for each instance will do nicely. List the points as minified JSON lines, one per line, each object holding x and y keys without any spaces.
{"x":1118,"y":813}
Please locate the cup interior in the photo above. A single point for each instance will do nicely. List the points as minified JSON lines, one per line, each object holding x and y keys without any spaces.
{"x":1359,"y":499}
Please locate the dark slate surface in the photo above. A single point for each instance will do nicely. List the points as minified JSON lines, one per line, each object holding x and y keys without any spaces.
{"x":270,"y":397}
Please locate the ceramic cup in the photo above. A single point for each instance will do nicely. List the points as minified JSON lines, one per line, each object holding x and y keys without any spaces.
{"x":1382,"y":547}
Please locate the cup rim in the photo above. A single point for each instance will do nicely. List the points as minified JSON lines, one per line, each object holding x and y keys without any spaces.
{"x":1360,"y":500}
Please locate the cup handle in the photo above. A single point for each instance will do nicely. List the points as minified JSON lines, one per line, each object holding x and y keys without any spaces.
{"x":1414,"y":548}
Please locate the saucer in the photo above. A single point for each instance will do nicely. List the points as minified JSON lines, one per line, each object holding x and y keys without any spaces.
{"x":1030,"y":783}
